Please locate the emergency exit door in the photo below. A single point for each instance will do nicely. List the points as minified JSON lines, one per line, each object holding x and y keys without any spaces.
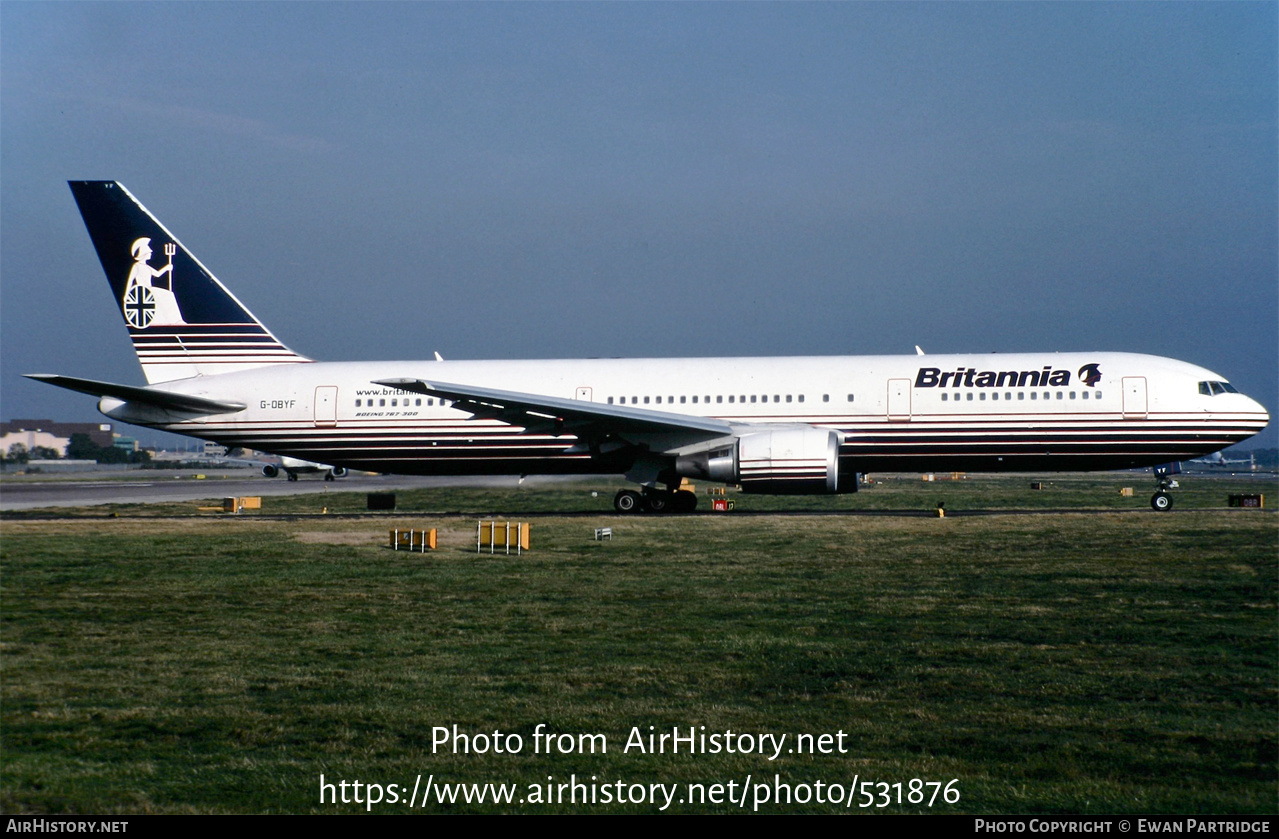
{"x":326,"y":406}
{"x":899,"y":400}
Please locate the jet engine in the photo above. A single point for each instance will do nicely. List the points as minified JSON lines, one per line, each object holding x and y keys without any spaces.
{"x":270,"y":470}
{"x":783,"y":461}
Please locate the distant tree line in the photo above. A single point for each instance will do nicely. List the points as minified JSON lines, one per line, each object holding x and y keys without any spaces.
{"x":82,"y":447}
{"x":19,"y":454}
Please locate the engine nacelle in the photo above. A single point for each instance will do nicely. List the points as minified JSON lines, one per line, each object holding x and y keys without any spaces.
{"x":783,"y":461}
{"x":790,"y":461}
{"x":270,"y":470}
{"x":338,"y":471}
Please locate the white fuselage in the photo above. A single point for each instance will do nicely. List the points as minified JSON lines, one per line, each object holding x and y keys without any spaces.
{"x":993,"y":412}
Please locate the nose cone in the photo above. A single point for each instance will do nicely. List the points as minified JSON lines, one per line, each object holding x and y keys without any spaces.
{"x":1263,"y":414}
{"x":1258,"y":416}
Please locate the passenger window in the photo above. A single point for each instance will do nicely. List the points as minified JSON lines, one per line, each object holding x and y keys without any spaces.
{"x":825,"y":397}
{"x":943,"y":397}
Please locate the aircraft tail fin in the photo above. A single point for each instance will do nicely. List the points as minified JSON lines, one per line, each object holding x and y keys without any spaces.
{"x":182,"y":321}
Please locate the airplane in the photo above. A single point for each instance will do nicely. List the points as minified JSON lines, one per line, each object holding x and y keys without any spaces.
{"x":292,"y":467}
{"x":1219,"y":459}
{"x":802,"y":425}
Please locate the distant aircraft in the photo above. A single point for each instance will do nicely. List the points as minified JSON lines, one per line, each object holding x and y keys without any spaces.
{"x":1219,"y":459}
{"x":292,"y":467}
{"x":803,"y":425}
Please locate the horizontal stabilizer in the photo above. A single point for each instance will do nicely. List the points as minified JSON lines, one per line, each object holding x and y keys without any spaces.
{"x":143,"y":395}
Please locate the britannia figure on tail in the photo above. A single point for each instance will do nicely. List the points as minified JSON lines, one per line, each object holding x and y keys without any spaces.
{"x":147,"y":302}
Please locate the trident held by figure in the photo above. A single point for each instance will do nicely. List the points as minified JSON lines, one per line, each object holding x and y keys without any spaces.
{"x":169,"y":250}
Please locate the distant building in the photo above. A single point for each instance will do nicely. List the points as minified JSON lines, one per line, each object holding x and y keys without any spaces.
{"x":52,"y":435}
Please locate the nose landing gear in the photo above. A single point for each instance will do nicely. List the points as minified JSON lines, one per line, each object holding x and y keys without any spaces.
{"x":1161,"y":501}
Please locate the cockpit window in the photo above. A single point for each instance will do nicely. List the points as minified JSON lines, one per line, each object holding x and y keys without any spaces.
{"x":1214,"y":388}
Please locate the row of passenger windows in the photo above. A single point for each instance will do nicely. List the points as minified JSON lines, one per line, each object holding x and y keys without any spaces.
{"x":753,"y":399}
{"x":397,"y":402}
{"x":1034,"y":394}
{"x":731,"y":399}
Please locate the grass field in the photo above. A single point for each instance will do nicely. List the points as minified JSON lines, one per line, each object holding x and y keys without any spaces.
{"x":1111,"y":660}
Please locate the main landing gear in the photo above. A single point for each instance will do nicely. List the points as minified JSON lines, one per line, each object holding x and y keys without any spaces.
{"x":629,"y":501}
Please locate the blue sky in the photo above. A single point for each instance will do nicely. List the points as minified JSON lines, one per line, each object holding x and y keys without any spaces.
{"x":386,"y":180}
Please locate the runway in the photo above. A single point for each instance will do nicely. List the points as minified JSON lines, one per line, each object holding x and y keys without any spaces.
{"x":30,"y":492}
{"x":88,"y":489}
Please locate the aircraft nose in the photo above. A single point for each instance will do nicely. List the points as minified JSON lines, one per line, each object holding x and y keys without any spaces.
{"x":1257,"y":406}
{"x":1262,"y":415}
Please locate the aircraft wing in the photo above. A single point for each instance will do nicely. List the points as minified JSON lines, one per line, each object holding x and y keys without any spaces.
{"x":164,"y":399}
{"x":592,"y":421}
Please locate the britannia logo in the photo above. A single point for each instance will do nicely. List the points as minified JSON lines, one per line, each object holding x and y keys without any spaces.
{"x":1090,"y":375}
{"x":148,"y":299}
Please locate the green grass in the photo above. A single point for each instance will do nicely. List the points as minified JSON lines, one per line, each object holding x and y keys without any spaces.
{"x":1099,"y":662}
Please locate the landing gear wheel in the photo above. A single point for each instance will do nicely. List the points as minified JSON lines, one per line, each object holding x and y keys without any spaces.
{"x":328,"y":476}
{"x":293,"y":476}
{"x":627,"y":501}
{"x":1161,"y":502}
{"x":685,"y":501}
{"x":658,"y":502}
